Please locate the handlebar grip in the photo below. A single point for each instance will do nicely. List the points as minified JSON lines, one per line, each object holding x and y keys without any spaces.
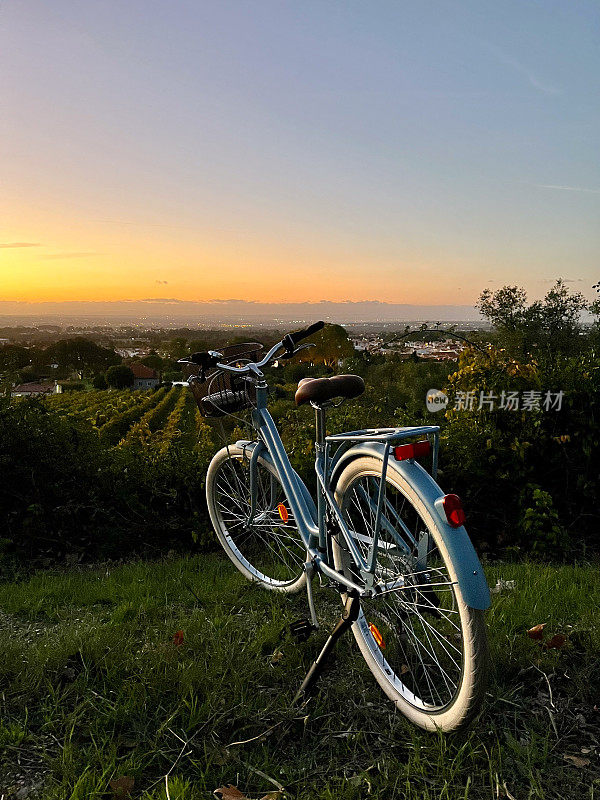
{"x":305,"y":332}
{"x":204,"y":360}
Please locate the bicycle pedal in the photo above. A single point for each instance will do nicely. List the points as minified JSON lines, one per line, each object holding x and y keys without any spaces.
{"x":301,"y":629}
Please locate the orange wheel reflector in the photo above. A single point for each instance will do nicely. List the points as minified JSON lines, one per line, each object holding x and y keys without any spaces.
{"x":376,"y":635}
{"x":283,"y":512}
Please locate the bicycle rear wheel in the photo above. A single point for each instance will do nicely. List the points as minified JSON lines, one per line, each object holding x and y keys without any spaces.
{"x":267,"y":549}
{"x":426,"y":648}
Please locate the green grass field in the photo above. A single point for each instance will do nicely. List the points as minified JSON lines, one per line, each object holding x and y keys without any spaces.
{"x":93,"y":688}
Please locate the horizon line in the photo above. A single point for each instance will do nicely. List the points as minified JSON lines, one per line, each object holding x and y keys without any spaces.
{"x":233,"y":301}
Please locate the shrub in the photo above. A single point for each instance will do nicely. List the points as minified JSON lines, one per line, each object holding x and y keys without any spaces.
{"x":65,"y":491}
{"x":99,"y":382}
{"x":528,"y":478}
{"x":119,"y":376}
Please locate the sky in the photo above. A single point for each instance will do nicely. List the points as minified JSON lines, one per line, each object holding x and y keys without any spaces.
{"x":289,"y":152}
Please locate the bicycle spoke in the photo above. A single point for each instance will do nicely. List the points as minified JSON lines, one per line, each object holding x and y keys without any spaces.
{"x":421,"y":642}
{"x":271,"y":548}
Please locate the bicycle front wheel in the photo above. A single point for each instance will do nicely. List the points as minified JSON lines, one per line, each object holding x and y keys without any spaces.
{"x":266,"y":547}
{"x":426,"y":648}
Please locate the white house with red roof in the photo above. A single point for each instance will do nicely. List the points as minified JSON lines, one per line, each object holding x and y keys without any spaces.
{"x":144,"y":377}
{"x":33,"y":389}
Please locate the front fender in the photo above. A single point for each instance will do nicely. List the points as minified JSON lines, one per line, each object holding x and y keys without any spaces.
{"x":248,"y":447}
{"x":469,"y":571}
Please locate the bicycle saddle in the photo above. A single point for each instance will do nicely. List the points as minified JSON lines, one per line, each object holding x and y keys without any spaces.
{"x":319,"y":390}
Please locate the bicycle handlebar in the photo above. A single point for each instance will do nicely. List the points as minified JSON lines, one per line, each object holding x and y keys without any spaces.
{"x":305,"y":332}
{"x":245,"y":369}
{"x":288,"y":343}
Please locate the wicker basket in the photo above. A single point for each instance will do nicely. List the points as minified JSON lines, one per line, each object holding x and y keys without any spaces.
{"x":221,"y":393}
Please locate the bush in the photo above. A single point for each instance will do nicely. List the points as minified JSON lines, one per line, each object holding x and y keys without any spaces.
{"x":119,"y":376}
{"x":64,"y":492}
{"x":99,"y":382}
{"x":72,"y":386}
{"x":528,"y":478}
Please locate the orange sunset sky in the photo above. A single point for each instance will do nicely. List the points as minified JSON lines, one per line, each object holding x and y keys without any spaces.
{"x":285,"y":152}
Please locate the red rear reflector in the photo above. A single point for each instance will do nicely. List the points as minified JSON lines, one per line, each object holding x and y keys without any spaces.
{"x":454,"y":511}
{"x":283,"y":512}
{"x":376,"y":635}
{"x":414,"y":450}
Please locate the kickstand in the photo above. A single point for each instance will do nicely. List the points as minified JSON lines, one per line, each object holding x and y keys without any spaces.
{"x":349,"y":615}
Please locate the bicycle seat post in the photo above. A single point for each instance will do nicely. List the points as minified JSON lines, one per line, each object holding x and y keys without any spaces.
{"x":319,"y":426}
{"x":321,"y":462}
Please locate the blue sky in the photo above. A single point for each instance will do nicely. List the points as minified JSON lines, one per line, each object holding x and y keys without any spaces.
{"x":415,"y":152}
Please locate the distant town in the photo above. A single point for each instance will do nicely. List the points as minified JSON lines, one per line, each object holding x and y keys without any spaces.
{"x":56,"y":357}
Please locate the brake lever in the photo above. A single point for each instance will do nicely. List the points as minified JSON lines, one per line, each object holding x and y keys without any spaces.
{"x":287,"y":356}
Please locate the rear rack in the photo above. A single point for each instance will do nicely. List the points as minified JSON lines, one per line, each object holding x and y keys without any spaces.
{"x":383,"y":434}
{"x":342,"y":442}
{"x":390,"y":436}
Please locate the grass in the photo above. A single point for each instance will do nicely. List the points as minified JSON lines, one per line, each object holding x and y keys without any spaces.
{"x":93,"y":687}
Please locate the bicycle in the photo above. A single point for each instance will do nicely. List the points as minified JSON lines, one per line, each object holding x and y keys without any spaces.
{"x":382,"y":533}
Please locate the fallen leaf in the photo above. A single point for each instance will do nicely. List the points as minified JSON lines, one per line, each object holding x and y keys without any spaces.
{"x":577,"y":761}
{"x":404,"y":669}
{"x":272,"y":796}
{"x":556,"y":642}
{"x":537,"y":632}
{"x":178,"y":638}
{"x":229,"y":792}
{"x":121,"y":787}
{"x":276,"y":657}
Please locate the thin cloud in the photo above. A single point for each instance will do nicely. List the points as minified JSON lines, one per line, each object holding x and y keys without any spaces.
{"x":564,"y":280}
{"x":161,"y":300}
{"x":69,"y":255}
{"x":233,"y":300}
{"x":513,"y":63}
{"x":566,"y":188}
{"x":20,"y":244}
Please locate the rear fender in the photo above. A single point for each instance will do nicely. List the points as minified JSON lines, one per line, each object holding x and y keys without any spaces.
{"x":469,"y":572}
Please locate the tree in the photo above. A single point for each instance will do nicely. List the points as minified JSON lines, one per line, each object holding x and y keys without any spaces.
{"x":82,"y":355}
{"x":119,"y":376}
{"x":13,"y":357}
{"x":199,"y":345}
{"x":506,"y":308}
{"x":560,"y":312}
{"x":99,"y":381}
{"x":154,"y":361}
{"x":547,"y":328}
{"x":177,"y":348}
{"x":332,"y":345}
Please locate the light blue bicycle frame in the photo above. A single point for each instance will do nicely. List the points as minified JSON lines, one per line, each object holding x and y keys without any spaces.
{"x":311,"y":520}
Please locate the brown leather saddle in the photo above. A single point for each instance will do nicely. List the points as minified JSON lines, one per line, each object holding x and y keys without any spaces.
{"x":320,"y":390}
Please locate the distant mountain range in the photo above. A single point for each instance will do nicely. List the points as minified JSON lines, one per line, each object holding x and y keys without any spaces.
{"x":171,"y":309}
